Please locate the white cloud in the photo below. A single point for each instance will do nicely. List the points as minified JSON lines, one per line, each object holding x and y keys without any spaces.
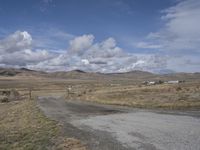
{"x":15,"y":50}
{"x":104,"y":56}
{"x":79,"y":44}
{"x":15,"y":42}
{"x":82,"y":54}
{"x":148,"y":45}
{"x":105,"y":49}
{"x":181,"y":31}
{"x":188,"y":63}
{"x":179,"y":38}
{"x":24,"y":57}
{"x":85,"y":61}
{"x":178,"y":42}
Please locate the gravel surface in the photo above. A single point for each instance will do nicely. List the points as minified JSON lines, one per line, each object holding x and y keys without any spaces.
{"x":104,"y":127}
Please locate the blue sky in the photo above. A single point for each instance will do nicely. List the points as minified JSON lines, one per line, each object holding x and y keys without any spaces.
{"x":101,"y":35}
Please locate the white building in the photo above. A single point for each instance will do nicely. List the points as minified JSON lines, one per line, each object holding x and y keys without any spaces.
{"x":173,"y":82}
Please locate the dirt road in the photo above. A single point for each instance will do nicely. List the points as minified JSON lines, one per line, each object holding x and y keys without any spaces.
{"x":103,"y":127}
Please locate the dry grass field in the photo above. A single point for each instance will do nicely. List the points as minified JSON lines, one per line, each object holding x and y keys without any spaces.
{"x":118,"y":89}
{"x":24,"y":127}
{"x":180,"y":96}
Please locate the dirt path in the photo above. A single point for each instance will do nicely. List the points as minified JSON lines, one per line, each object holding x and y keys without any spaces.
{"x":104,"y":127}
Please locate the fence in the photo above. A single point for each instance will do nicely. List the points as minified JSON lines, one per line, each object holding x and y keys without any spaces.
{"x":32,"y":93}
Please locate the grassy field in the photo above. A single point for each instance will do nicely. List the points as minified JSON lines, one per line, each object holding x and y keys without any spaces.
{"x":167,"y":96}
{"x":118,"y":92}
{"x":24,"y":127}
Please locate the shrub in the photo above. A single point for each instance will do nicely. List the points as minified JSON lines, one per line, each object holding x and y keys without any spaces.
{"x":4,"y":99}
{"x":178,"y":88}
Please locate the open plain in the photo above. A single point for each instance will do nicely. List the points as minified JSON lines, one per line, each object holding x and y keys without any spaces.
{"x":98,"y":111}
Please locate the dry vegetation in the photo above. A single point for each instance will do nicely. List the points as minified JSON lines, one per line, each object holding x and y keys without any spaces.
{"x":178,"y":96}
{"x":24,"y":127}
{"x":118,"y":91}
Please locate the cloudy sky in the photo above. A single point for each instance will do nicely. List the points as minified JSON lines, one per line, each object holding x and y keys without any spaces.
{"x":160,"y":36}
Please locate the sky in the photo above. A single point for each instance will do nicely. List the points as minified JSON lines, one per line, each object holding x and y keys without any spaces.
{"x":160,"y":36}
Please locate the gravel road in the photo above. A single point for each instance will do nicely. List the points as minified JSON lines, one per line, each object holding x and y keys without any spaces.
{"x":103,"y":127}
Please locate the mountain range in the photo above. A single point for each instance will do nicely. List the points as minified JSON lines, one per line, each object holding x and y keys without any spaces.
{"x":79,"y":74}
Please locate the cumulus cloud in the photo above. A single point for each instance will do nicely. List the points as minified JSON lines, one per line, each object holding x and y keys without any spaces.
{"x":24,"y":57}
{"x":103,"y":56}
{"x":15,"y":50}
{"x":105,"y":49}
{"x":177,"y":42}
{"x":83,"y":53}
{"x":79,"y":44}
{"x":16,"y":42}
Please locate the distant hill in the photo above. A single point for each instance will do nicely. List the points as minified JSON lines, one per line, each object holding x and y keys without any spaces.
{"x":20,"y":72}
{"x":9,"y":72}
{"x":76,"y":74}
{"x":25,"y":69}
{"x":82,"y":75}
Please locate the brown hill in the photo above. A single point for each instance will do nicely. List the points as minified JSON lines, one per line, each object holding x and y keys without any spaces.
{"x":20,"y":72}
{"x":82,"y":75}
{"x":9,"y":72}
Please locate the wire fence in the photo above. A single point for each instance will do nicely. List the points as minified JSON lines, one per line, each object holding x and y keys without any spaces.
{"x":32,"y":93}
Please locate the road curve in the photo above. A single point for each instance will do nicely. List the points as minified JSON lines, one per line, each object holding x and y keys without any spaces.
{"x":104,"y":127}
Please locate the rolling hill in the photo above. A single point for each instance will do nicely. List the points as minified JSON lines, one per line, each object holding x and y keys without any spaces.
{"x":79,"y":74}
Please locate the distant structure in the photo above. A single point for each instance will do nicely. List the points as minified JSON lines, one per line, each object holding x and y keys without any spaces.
{"x":149,"y":82}
{"x":161,"y":82}
{"x":174,"y":82}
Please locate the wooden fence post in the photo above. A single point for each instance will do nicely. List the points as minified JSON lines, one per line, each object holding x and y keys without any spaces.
{"x":68,"y":91}
{"x":30,"y":96}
